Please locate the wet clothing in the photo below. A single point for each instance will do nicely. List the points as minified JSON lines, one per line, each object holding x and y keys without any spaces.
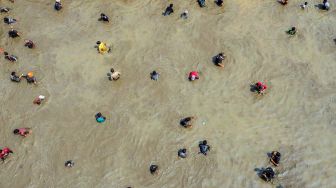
{"x":153,"y":168}
{"x":169,"y":10}
{"x":5,"y":152}
{"x":29,"y":44}
{"x":4,"y":9}
{"x":193,"y":75}
{"x":182,"y":153}
{"x":30,"y":80}
{"x":13,"y":34}
{"x":219,"y":2}
{"x":9,"y":20}
{"x":69,"y":163}
{"x":100,"y":118}
{"x":15,"y":78}
{"x":23,"y":131}
{"x":201,"y":3}
{"x":103,"y":18}
{"x":204,"y":148}
{"x":261,"y":87}
{"x":275,"y":157}
{"x":268,"y":174}
{"x":154,"y":75}
{"x":219,"y":59}
{"x":102,"y":48}
{"x":58,"y":6}
{"x":186,"y":122}
{"x":11,"y":58}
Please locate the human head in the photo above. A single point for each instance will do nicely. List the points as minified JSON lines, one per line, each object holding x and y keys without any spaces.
{"x":98,"y":42}
{"x":293,"y":28}
{"x":184,"y":150}
{"x":220,"y":54}
{"x":205,"y":142}
{"x":5,"y":53}
{"x":102,"y":14}
{"x":5,"y":19}
{"x":193,"y":77}
{"x":306,"y":3}
{"x":58,"y":1}
{"x":154,"y":72}
{"x":16,"y":131}
{"x":171,"y":5}
{"x":13,"y":73}
{"x":112,"y":70}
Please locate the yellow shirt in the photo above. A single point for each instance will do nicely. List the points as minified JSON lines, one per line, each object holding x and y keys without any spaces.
{"x":102,"y":48}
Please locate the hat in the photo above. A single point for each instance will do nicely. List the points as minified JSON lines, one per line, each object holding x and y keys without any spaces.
{"x":30,"y":74}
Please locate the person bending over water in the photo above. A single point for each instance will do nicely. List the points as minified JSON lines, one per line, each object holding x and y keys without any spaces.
{"x":169,"y":10}
{"x":11,"y":58}
{"x":103,"y":18}
{"x":275,"y":158}
{"x":100,"y":118}
{"x":260,"y":87}
{"x":58,"y":5}
{"x":29,"y":43}
{"x":113,"y":75}
{"x":219,"y":2}
{"x":22,"y":131}
{"x":4,"y":9}
{"x":291,"y":31}
{"x":9,"y":20}
{"x":182,"y":153}
{"x":13,"y":33}
{"x":4,"y":153}
{"x":283,"y":2}
{"x":201,"y":3}
{"x":69,"y":163}
{"x":154,"y":75}
{"x":193,"y":75}
{"x":153,"y":169}
{"x":30,"y":78}
{"x":15,"y":78}
{"x":304,"y":5}
{"x":267,"y":174}
{"x":184,"y":14}
{"x":102,"y":47}
{"x":204,"y":147}
{"x":219,"y":59}
{"x":325,"y":5}
{"x":187,"y":122}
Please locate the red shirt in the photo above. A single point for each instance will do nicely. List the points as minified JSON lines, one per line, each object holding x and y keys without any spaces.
{"x":193,"y":73}
{"x":261,"y":86}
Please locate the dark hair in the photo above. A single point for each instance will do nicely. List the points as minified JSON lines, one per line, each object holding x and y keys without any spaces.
{"x":306,"y":3}
{"x":112,"y":70}
{"x":184,"y":150}
{"x":171,"y":5}
{"x":205,"y":142}
{"x":6,"y":53}
{"x":6,"y":19}
{"x":221,"y":54}
{"x":102,"y":14}
{"x":16,"y":131}
{"x":98,"y":42}
{"x":154,"y":72}
{"x":153,"y":168}
{"x":13,"y":73}
{"x":293,"y":28}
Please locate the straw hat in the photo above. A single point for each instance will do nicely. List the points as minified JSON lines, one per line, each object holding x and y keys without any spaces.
{"x":30,"y":74}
